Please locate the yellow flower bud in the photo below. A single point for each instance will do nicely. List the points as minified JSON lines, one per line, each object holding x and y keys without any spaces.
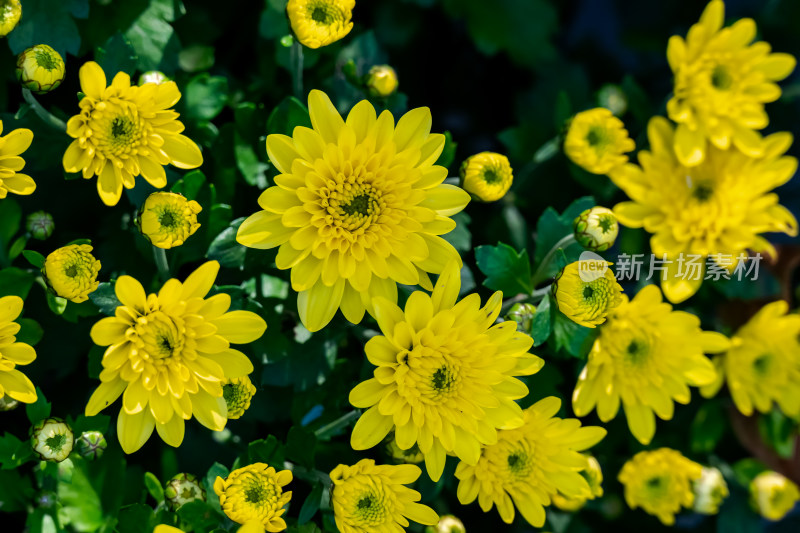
{"x":586,"y":291}
{"x":381,"y":81}
{"x":486,"y":176}
{"x":447,"y":524}
{"x":40,"y":69}
{"x":773,"y":495}
{"x":317,"y":23}
{"x":596,"y":229}
{"x":597,"y":141}
{"x":72,"y":271}
{"x":10,"y":13}
{"x":52,"y":439}
{"x":167,"y":219}
{"x":237,"y":393}
{"x":709,"y":491}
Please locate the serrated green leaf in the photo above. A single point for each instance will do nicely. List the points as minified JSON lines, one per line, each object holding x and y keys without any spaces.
{"x":571,"y":337}
{"x":505,"y":269}
{"x":51,"y":22}
{"x":105,"y":298}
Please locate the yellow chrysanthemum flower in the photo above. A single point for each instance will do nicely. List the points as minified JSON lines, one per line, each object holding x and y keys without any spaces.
{"x":10,"y":13}
{"x":381,"y":81}
{"x":720,"y":206}
{"x":762,"y":366}
{"x":586,"y":291}
{"x":167,"y":219}
{"x":254,"y":494}
{"x":11,"y":147}
{"x":40,"y":69}
{"x":71,"y":271}
{"x":358,"y":208}
{"x":237,"y":393}
{"x":597,"y":141}
{"x":709,"y":491}
{"x":660,"y":482}
{"x":593,"y":475}
{"x":14,"y":383}
{"x":317,"y":23}
{"x":446,"y":376}
{"x":773,"y":495}
{"x":722,"y":82}
{"x":170,"y":353}
{"x":645,"y":357}
{"x":124,"y":131}
{"x":487,"y":176}
{"x":370,"y":498}
{"x":527,"y":466}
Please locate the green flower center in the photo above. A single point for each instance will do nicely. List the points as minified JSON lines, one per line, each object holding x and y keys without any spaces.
{"x":656,"y":485}
{"x":702,"y":192}
{"x":56,"y":442}
{"x":188,"y":493}
{"x":762,"y":364}
{"x":518,"y":462}
{"x":636,"y":351}
{"x":588,"y":292}
{"x":168,"y":218}
{"x":721,"y":78}
{"x":605,"y":223}
{"x":72,"y":270}
{"x":597,"y":137}
{"x":360,"y":204}
{"x":321,"y":15}
{"x":442,"y":380}
{"x":121,"y":127}
{"x":45,"y":60}
{"x":491,"y":176}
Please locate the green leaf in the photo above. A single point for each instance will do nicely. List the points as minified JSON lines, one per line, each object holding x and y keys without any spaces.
{"x":34,"y":258}
{"x":460,"y":237}
{"x":30,"y":331}
{"x":51,"y":22}
{"x":135,"y":518}
{"x":196,"y":58}
{"x":269,"y":450}
{"x":79,"y":241}
{"x":15,"y":281}
{"x":542,"y":323}
{"x":15,"y":489}
{"x":287,"y":115}
{"x":56,"y":304}
{"x":190,"y":184}
{"x":199,"y":515}
{"x":707,"y":427}
{"x":779,"y":431}
{"x":252,"y":168}
{"x":17,"y":247}
{"x":205,"y":96}
{"x":105,"y":298}
{"x":14,"y":452}
{"x":747,"y":469}
{"x":551,"y":228}
{"x":151,"y":36}
{"x":80,"y":503}
{"x":300,"y":444}
{"x":448,"y":154}
{"x":38,"y":410}
{"x":273,"y":22}
{"x":225,"y":249}
{"x":154,"y":486}
{"x":505,"y":269}
{"x":117,"y":55}
{"x":311,"y":505}
{"x":216,"y":470}
{"x":10,"y":218}
{"x":571,"y":337}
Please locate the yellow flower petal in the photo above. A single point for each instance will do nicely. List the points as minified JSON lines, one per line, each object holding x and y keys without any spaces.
{"x":134,"y":430}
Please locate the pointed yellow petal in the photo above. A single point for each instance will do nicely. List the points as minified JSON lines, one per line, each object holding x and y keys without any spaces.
{"x":200,"y":281}
{"x":134,"y":430}
{"x":370,"y":429}
{"x":93,"y":79}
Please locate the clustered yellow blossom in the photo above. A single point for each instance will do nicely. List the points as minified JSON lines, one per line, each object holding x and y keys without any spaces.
{"x":167,"y":219}
{"x":773,"y":495}
{"x":317,"y":23}
{"x":597,"y":141}
{"x":13,"y":383}
{"x":254,"y":495}
{"x":237,"y":393}
{"x":40,"y":69}
{"x":11,"y":148}
{"x":587,"y":291}
{"x":71,"y":271}
{"x":487,"y":176}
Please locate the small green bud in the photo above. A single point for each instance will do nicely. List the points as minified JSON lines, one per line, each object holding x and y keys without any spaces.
{"x":181,"y":489}
{"x":52,"y":439}
{"x":596,"y":229}
{"x":522,"y":314}
{"x":381,"y":81}
{"x":40,"y":69}
{"x":40,"y":225}
{"x":613,"y":98}
{"x":46,"y":499}
{"x":91,"y":445}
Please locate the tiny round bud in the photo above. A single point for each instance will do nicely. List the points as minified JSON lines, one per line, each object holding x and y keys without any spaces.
{"x":153,"y":76}
{"x":773,"y":495}
{"x":181,"y":489}
{"x":7,"y":403}
{"x":709,"y":491}
{"x":381,"y":81}
{"x":91,"y":445}
{"x":522,"y":314}
{"x":40,"y":225}
{"x":487,"y":176}
{"x":40,"y":69}
{"x":596,"y":229}
{"x":613,"y":98}
{"x":52,"y":439}
{"x":447,"y":524}
{"x":10,"y":14}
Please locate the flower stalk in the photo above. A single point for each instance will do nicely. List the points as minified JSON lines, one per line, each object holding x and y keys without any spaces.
{"x":46,"y":116}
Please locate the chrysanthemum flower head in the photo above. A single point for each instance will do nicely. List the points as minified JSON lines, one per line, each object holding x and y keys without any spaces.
{"x":254,"y":494}
{"x":124,"y":131}
{"x":13,"y":383}
{"x":773,"y":495}
{"x":11,"y":148}
{"x":370,"y":498}
{"x":317,"y":23}
{"x":593,"y":475}
{"x":586,"y":291}
{"x":527,"y":466}
{"x":40,"y":69}
{"x":722,"y":81}
{"x":660,"y":482}
{"x":446,"y":377}
{"x":52,"y":439}
{"x":710,"y":490}
{"x":10,"y":13}
{"x":167,"y":219}
{"x":237,"y":393}
{"x":381,"y":81}
{"x":762,"y":366}
{"x":720,"y":206}
{"x":169,"y":353}
{"x":358,"y":207}
{"x":645,"y":358}
{"x":596,"y":229}
{"x":597,"y":141}
{"x":71,"y":271}
{"x":487,"y":176}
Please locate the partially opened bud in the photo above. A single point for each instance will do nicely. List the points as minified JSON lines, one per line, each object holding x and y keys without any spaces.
{"x":447,"y":524}
{"x":522,"y":314}
{"x":167,"y":219}
{"x":381,"y":81}
{"x":71,"y":271}
{"x":237,"y":393}
{"x":596,"y":229}
{"x":91,"y":444}
{"x":52,"y":439}
{"x":773,"y":495}
{"x":40,"y":69}
{"x":709,"y":491}
{"x":181,"y":489}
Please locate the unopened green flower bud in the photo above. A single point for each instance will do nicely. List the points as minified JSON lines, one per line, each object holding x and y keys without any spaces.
{"x":91,"y":444}
{"x":40,"y":225}
{"x":381,"y":81}
{"x":613,"y":98}
{"x":709,"y":491}
{"x":447,"y":524}
{"x":52,"y":439}
{"x":522,"y":314}
{"x":10,"y":13}
{"x":773,"y":495}
{"x":153,"y":76}
{"x":181,"y":489}
{"x":40,"y":69}
{"x":7,"y":403}
{"x":596,"y":229}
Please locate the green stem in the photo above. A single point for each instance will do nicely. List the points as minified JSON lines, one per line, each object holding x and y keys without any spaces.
{"x":341,"y":422}
{"x":542,"y":268}
{"x":296,"y":60}
{"x":160,"y":255}
{"x":48,"y":118}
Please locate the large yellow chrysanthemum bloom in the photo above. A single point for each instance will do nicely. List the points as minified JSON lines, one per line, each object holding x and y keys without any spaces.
{"x":721,"y":84}
{"x":597,"y":141}
{"x":529,"y":465}
{"x":586,"y":292}
{"x":762,"y":366}
{"x":124,"y":131}
{"x":773,"y":495}
{"x":169,"y":353}
{"x":487,"y":176}
{"x":14,"y":383}
{"x":660,"y":482}
{"x":317,"y":23}
{"x":358,"y":207}
{"x":645,"y":357}
{"x":167,"y":219}
{"x":71,"y":271}
{"x":370,"y":498}
{"x":11,"y":147}
{"x":718,"y":207}
{"x":446,"y":376}
{"x":254,"y":494}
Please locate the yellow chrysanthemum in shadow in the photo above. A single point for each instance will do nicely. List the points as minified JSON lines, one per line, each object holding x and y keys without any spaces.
{"x":722,"y":82}
{"x":446,"y":376}
{"x":170,"y":353}
{"x":718,"y":207}
{"x":370,"y":498}
{"x":358,"y":207}
{"x":167,"y":219}
{"x":317,"y":23}
{"x":254,"y":495}
{"x":14,"y":383}
{"x":124,"y":131}
{"x":487,"y":176}
{"x":530,"y":465}
{"x":773,"y":495}
{"x":660,"y":482}
{"x":762,"y":366}
{"x":586,"y":291}
{"x":597,"y":141}
{"x":645,"y":357}
{"x":11,"y":147}
{"x":71,"y":271}
{"x":412,"y":455}
{"x":593,"y":475}
{"x":237,"y":393}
